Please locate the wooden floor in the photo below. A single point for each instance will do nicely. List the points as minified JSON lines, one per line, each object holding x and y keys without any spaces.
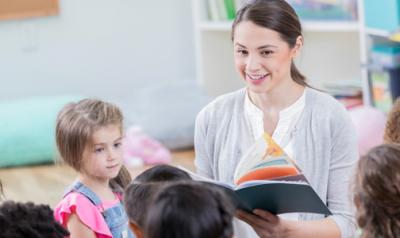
{"x":46,"y":183}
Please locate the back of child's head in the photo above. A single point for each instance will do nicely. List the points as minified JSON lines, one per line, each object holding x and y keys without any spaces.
{"x":27,"y":220}
{"x":162,"y":173}
{"x":139,"y":193}
{"x":137,"y":200}
{"x":377,"y":192}
{"x":189,"y":209}
{"x":392,"y":129}
{"x":76,"y":124}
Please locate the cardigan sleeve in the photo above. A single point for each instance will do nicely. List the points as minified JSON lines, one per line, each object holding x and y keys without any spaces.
{"x":344,"y":156}
{"x":201,"y":144}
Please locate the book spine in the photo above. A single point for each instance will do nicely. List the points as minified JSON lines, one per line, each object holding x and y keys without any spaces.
{"x":230,"y":9}
{"x":222,"y":15}
{"x":213,"y":10}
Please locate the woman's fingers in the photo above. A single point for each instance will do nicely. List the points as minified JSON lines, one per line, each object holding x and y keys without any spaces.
{"x":266,"y":215}
{"x":253,"y":220}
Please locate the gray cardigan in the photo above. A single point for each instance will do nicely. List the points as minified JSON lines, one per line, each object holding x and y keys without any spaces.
{"x":324,"y":144}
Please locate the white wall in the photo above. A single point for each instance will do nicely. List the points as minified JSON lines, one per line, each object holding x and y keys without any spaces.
{"x":97,"y":48}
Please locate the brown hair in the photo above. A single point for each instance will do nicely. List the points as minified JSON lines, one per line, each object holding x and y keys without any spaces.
{"x":276,"y":15}
{"x":189,"y":209}
{"x":392,"y":129}
{"x":76,"y":124}
{"x":377,"y":192}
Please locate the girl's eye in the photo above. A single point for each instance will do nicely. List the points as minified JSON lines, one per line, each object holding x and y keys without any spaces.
{"x":266,"y":52}
{"x":99,"y":150}
{"x":117,"y":145}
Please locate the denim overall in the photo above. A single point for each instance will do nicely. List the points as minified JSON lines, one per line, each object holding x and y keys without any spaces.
{"x":115,"y":217}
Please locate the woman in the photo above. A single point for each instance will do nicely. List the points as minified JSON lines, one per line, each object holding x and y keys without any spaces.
{"x":312,"y":127}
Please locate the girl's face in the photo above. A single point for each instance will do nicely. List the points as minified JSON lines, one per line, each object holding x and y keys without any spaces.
{"x":262,"y":58}
{"x":103,"y":159}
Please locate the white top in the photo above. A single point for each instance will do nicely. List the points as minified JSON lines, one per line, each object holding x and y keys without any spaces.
{"x":288,"y":117}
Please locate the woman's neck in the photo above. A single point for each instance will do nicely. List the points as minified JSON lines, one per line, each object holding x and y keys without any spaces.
{"x":279,"y":98}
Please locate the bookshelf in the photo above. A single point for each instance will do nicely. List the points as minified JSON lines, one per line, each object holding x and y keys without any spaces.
{"x":331,"y":52}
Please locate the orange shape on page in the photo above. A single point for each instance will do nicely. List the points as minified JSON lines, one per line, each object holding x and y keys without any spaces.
{"x":273,"y":149}
{"x":268,"y":173}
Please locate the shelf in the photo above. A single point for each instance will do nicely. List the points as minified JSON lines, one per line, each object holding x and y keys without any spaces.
{"x":310,"y":26}
{"x":377,"y":32}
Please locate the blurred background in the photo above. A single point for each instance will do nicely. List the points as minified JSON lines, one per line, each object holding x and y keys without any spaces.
{"x":161,"y":62}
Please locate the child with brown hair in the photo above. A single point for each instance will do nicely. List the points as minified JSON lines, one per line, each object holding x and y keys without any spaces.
{"x":189,"y":209}
{"x":138,"y":194}
{"x":377,"y":192}
{"x":392,"y":129}
{"x":89,"y":137}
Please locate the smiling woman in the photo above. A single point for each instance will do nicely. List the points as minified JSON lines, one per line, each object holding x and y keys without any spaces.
{"x":312,"y":127}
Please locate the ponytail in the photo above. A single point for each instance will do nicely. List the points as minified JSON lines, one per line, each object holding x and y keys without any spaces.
{"x":122,"y":180}
{"x":297,"y":76}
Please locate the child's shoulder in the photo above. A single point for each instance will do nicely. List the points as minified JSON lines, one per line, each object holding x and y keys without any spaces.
{"x":88,"y":213}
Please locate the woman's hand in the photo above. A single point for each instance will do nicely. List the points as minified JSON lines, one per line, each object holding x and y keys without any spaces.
{"x":266,"y":224}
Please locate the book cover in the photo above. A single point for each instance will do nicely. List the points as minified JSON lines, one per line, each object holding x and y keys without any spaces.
{"x":266,"y":178}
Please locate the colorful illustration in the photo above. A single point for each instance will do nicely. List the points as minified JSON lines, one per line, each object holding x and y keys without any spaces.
{"x":266,"y":160}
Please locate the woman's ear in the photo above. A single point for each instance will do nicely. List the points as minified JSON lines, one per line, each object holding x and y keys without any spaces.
{"x":135,"y":228}
{"x":297,"y":47}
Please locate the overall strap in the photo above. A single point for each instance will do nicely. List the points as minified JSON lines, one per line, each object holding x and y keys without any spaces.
{"x":85,"y":191}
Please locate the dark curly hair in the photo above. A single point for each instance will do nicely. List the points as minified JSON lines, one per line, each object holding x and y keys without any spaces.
{"x":189,"y":209}
{"x":27,"y":220}
{"x":392,"y":129}
{"x":377,"y":192}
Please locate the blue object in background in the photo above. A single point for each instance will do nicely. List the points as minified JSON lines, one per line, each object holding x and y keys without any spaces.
{"x":382,"y":14}
{"x":27,"y":129}
{"x":386,"y":54}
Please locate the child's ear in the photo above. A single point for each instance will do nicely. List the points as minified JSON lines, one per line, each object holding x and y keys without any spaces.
{"x":135,"y":228}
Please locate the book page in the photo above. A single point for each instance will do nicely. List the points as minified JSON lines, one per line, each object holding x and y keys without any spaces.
{"x":266,"y":160}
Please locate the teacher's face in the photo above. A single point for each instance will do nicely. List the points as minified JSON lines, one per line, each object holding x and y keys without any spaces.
{"x":262,"y":58}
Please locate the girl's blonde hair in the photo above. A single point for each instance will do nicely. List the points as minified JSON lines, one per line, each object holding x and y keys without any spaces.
{"x":76,"y":124}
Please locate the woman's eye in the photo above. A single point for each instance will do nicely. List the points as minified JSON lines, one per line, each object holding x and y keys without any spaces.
{"x":267,"y":52}
{"x":99,"y":150}
{"x":242,"y":52}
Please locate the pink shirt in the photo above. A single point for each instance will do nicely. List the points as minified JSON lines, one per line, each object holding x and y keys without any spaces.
{"x":88,"y":213}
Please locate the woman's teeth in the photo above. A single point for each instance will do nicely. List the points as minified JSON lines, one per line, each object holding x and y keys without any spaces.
{"x":257,"y":77}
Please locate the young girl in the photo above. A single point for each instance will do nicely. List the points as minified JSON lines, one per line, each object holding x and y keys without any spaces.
{"x":189,"y":209}
{"x":377,"y":192}
{"x":88,"y":136}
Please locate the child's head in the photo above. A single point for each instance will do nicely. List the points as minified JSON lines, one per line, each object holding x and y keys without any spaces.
{"x":392,"y":129}
{"x":89,"y":136}
{"x":162,"y":173}
{"x":139,"y":193}
{"x":137,"y":200}
{"x":189,"y":209}
{"x":377,"y":192}
{"x":26,"y":220}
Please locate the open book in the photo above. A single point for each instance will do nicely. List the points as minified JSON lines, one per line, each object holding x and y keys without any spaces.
{"x":266,"y":178}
